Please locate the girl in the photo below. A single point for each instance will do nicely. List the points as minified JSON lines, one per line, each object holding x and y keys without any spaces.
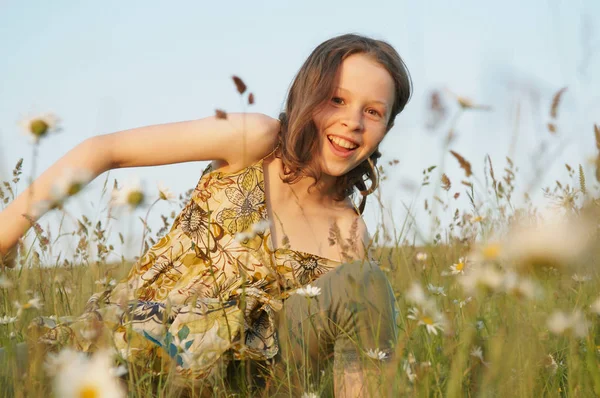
{"x":270,"y":215}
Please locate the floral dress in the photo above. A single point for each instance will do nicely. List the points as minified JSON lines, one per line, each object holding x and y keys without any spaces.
{"x":206,"y":293}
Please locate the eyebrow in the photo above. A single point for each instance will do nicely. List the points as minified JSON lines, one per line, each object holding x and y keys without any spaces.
{"x":375,"y":101}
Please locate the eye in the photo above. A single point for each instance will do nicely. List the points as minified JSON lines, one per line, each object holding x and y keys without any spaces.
{"x":337,"y":100}
{"x":374,"y":112}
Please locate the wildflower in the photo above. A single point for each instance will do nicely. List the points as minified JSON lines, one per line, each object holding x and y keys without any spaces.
{"x":596,"y":306}
{"x":490,"y":251}
{"x":574,"y":323}
{"x":416,"y":294}
{"x":40,"y":126}
{"x":309,"y":291}
{"x":485,"y":276}
{"x":310,"y":395}
{"x":260,"y":227}
{"x":477,"y":352}
{"x":420,"y":256}
{"x":5,"y":283}
{"x":409,"y":373}
{"x":164,"y":193}
{"x":5,"y":320}
{"x":462,"y":303}
{"x":437,"y":290}
{"x":459,"y":267}
{"x":34,"y":303}
{"x":106,"y":282}
{"x":80,"y":376}
{"x":477,"y":219}
{"x":581,"y":279}
{"x":130,"y":195}
{"x":520,"y":287}
{"x":242,"y":237}
{"x":479,"y":325}
{"x":432,"y":323}
{"x":376,"y":354}
{"x":118,"y":371}
{"x":554,"y":244}
{"x":550,"y":364}
{"x":71,"y":183}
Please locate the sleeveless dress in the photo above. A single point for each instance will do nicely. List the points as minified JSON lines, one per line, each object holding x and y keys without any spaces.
{"x":205,"y":294}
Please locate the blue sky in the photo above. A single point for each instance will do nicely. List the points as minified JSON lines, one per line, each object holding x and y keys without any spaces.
{"x":113,"y":65}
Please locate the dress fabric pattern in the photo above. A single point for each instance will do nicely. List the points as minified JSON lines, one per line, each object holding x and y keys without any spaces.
{"x":199,"y":297}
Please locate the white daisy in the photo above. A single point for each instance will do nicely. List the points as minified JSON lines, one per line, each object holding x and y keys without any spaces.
{"x":5,"y":320}
{"x":432,"y":322}
{"x":5,"y":283}
{"x":71,"y":183}
{"x":130,"y":195}
{"x":550,"y":364}
{"x":437,"y":290}
{"x":420,"y":256}
{"x":164,"y":193}
{"x":310,"y":395}
{"x":557,"y":243}
{"x":261,"y":227}
{"x":106,"y":282}
{"x":485,"y":276}
{"x":595,"y":306}
{"x":309,"y":291}
{"x":459,"y":267}
{"x":477,"y":352}
{"x":87,"y":377}
{"x":573,"y":323}
{"x":242,"y":237}
{"x":416,"y":294}
{"x":376,"y":354}
{"x":581,"y":278}
{"x":40,"y":126}
{"x":462,"y":303}
{"x":34,"y":303}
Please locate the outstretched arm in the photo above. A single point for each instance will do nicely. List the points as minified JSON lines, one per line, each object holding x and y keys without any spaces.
{"x":237,"y":140}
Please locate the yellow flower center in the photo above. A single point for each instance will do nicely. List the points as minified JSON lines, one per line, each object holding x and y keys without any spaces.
{"x":88,"y":391}
{"x":74,"y":188}
{"x":460,"y":266}
{"x":38,"y":127}
{"x":135,"y":198}
{"x":427,"y":319}
{"x":491,"y":252}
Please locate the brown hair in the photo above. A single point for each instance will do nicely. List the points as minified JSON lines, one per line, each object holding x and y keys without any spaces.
{"x":314,"y":86}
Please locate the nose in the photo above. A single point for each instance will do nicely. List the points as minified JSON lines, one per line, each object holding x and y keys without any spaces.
{"x":353,"y":119}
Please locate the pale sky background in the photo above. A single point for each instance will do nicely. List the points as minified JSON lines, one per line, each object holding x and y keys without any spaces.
{"x":113,"y":65}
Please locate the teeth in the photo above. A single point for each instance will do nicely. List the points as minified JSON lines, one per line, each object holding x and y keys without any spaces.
{"x":342,"y":142}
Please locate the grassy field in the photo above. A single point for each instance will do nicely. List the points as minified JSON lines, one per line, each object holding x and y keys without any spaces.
{"x":503,"y":302}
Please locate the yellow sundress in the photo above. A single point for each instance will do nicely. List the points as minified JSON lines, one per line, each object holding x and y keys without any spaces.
{"x":206,"y":293}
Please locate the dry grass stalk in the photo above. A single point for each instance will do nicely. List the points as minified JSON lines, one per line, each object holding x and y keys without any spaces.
{"x":239,"y":84}
{"x":220,"y":114}
{"x":464,"y":163}
{"x":446,"y":184}
{"x":556,"y":102}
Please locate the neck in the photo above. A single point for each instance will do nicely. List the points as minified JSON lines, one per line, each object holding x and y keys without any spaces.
{"x":322,"y":193}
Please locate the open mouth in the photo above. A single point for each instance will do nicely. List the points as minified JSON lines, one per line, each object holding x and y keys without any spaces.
{"x":341,"y":145}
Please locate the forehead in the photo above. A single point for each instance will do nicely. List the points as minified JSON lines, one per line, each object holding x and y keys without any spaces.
{"x":361,"y":75}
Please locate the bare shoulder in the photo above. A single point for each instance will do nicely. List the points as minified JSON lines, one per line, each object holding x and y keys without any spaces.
{"x":256,"y":137}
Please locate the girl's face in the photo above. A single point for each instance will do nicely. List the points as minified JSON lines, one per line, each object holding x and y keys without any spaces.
{"x":354,"y":121}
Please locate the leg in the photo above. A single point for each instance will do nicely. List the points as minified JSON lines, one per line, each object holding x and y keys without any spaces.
{"x":353,"y":314}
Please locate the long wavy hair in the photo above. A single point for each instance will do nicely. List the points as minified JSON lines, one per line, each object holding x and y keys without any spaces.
{"x":312,"y":87}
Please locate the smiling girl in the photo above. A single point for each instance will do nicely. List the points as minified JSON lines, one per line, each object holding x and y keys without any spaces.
{"x":249,"y":269}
